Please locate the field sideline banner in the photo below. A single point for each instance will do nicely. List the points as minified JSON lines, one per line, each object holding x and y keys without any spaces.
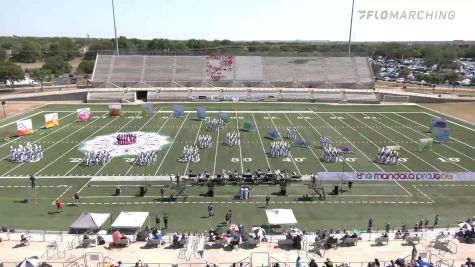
{"x":400,"y":176}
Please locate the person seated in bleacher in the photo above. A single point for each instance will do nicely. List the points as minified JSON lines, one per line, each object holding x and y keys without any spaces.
{"x":175,"y":239}
{"x":398,"y":234}
{"x":297,"y":242}
{"x":422,"y":263}
{"x":288,"y":236}
{"x":346,"y":236}
{"x":385,"y":234}
{"x":183,"y":238}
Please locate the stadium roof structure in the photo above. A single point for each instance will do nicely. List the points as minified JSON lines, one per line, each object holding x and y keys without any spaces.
{"x":139,"y":71}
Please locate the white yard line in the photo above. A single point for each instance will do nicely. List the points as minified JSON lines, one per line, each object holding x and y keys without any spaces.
{"x":216,"y":154}
{"x":260,"y":139}
{"x":59,"y":128}
{"x":410,"y":139}
{"x":173,"y":142}
{"x":62,"y":194}
{"x":240,"y":149}
{"x":104,"y":165}
{"x":402,"y":147}
{"x":50,"y":146}
{"x":194,"y":143}
{"x":69,"y":150}
{"x":290,"y":154}
{"x":425,"y":126}
{"x":370,"y":159}
{"x":88,"y":181}
{"x":311,"y":150}
{"x":403,"y":188}
{"x":131,"y":166}
{"x":420,"y":191}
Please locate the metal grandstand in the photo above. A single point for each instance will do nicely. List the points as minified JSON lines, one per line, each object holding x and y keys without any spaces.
{"x":142,"y":71}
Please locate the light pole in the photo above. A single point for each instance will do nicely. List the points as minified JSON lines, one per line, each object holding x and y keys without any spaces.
{"x":351,"y":27}
{"x":115,"y":29}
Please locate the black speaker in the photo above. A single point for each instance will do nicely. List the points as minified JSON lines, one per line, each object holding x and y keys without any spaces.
{"x":3,"y":102}
{"x":143,"y":190}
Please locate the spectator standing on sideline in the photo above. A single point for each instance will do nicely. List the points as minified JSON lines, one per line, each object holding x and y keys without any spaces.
{"x":436,"y":220}
{"x":370,"y":225}
{"x":59,"y":205}
{"x":210,"y":211}
{"x":76,"y":198}
{"x":312,"y":263}
{"x":165,"y":221}
{"x":162,"y":191}
{"x":413,"y":253}
{"x":298,"y":263}
{"x":157,"y":221}
{"x":33,"y":182}
{"x":267,"y":201}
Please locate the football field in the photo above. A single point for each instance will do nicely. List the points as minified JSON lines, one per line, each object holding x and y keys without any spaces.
{"x":364,"y":128}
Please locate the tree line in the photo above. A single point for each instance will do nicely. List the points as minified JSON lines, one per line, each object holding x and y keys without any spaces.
{"x":57,"y":52}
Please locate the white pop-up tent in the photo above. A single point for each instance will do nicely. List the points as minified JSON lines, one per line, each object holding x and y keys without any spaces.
{"x":89,"y":221}
{"x":130,"y":221}
{"x":280,"y":217}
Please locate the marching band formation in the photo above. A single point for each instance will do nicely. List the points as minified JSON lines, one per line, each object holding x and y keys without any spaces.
{"x":387,"y":156}
{"x":233,"y":139}
{"x":100,"y":157}
{"x":213,"y":124}
{"x":126,"y":139}
{"x":146,"y":158}
{"x":325,"y":142}
{"x":279,"y":149}
{"x":292,"y":133}
{"x":205,"y":141}
{"x":28,"y":153}
{"x":190,"y":154}
{"x":331,"y":154}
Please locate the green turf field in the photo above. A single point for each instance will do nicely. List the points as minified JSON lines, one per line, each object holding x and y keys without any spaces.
{"x":363,"y":127}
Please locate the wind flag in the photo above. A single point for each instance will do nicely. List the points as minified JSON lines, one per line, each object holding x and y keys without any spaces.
{"x":248,"y":126}
{"x":425,"y":144}
{"x":178,"y":111}
{"x":83,"y":114}
{"x":115,"y":110}
{"x":147,"y":109}
{"x":273,"y":134}
{"x":201,"y":113}
{"x":441,"y":135}
{"x":302,"y":143}
{"x":51,"y":120}
{"x":223,"y":116}
{"x":24,"y":127}
{"x":437,"y":122}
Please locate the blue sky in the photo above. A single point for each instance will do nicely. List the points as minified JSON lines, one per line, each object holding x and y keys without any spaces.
{"x":234,"y":20}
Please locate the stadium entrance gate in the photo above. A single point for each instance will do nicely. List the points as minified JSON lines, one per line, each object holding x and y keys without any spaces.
{"x":142,"y":95}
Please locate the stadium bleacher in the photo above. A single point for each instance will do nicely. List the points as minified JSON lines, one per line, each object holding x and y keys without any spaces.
{"x":111,"y":96}
{"x":228,"y":71}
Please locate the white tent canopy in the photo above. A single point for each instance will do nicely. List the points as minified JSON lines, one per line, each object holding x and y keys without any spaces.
{"x":130,"y":220}
{"x":89,"y":221}
{"x":280,"y":216}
